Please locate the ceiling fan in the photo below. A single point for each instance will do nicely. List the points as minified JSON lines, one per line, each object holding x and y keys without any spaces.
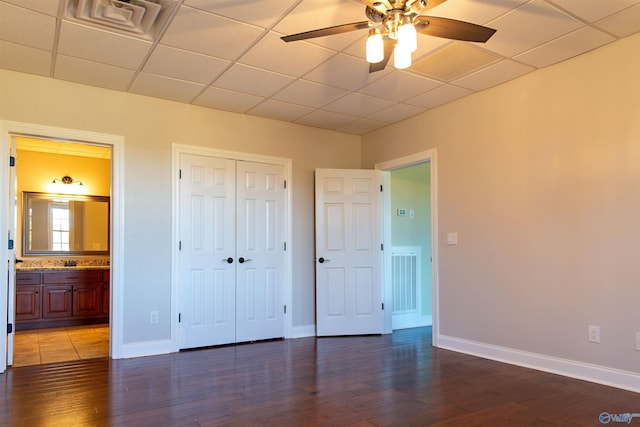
{"x":393,"y":27}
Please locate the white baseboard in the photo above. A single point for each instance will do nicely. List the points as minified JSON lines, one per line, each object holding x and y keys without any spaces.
{"x":303,"y":331}
{"x":146,"y":348}
{"x":598,"y":374}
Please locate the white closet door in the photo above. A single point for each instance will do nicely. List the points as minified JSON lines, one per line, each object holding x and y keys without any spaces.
{"x":348,"y":251}
{"x":260,"y":251}
{"x":207,"y":236}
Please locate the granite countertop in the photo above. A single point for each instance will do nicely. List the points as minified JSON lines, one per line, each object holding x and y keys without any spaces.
{"x":60,"y":267}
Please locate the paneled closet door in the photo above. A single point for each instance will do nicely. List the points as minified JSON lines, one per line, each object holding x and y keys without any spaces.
{"x":207,"y":258}
{"x":260,"y":249}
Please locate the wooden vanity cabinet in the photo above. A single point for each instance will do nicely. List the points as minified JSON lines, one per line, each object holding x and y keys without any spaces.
{"x":60,"y":298}
{"x":28,"y":301}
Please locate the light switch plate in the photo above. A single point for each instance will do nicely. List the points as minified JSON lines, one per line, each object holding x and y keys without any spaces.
{"x":452,"y":238}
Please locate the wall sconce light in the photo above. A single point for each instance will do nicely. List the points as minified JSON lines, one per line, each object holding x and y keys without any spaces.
{"x":67,"y":185}
{"x":66,"y":180}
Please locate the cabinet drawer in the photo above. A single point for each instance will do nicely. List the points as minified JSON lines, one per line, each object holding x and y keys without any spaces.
{"x":27,"y":278}
{"x":76,"y":276}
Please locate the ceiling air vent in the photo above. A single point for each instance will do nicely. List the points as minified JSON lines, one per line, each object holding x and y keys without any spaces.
{"x":143,"y":18}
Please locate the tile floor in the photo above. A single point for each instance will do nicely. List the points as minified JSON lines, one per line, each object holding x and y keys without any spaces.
{"x":40,"y":346}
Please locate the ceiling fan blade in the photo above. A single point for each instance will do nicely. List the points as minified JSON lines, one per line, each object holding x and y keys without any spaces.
{"x":338,"y":29}
{"x":453,"y":29}
{"x":388,"y":50}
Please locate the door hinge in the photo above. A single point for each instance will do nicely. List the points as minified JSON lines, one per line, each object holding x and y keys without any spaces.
{"x":179,"y":173}
{"x":180,"y":245}
{"x":285,"y":183}
{"x":179,"y":317}
{"x":285,"y":309}
{"x":382,"y":246}
{"x":383,"y":306}
{"x":381,"y":188}
{"x":10,"y":244}
{"x":9,"y":328}
{"x":285,"y":246}
{"x":12,"y":161}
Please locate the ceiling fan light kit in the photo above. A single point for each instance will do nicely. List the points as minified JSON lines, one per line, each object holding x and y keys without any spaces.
{"x":393,"y":28}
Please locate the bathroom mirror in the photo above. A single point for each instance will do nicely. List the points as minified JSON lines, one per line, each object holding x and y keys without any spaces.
{"x":60,"y":224}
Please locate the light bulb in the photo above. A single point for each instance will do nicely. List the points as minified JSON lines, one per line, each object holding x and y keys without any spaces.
{"x":401,"y":56}
{"x":375,"y":48}
{"x":407,"y":36}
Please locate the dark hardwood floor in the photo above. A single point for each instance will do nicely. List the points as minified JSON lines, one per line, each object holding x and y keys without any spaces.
{"x":391,"y":380}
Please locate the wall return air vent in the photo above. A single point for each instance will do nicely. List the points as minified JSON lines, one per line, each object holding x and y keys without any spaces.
{"x":142,"y":18}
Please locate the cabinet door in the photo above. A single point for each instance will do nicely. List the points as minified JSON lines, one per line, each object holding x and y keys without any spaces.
{"x":56,"y":301}
{"x":106,"y":292}
{"x":87,"y":300}
{"x":27,"y":302}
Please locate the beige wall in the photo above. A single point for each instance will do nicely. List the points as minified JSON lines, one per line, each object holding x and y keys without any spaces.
{"x":149,"y":127}
{"x":540,"y":178}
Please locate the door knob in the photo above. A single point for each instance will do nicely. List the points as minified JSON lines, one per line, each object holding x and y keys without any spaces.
{"x":229,"y":260}
{"x":323,"y":260}
{"x":242,"y":260}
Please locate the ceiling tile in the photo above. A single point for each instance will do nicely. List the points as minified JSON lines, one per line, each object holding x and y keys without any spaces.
{"x":50,"y":7}
{"x":102,"y":46}
{"x":396,"y":113}
{"x":184,"y":65}
{"x":262,"y":13}
{"x":94,"y":73}
{"x":24,"y":26}
{"x":227,"y":100}
{"x":358,"y":104}
{"x":315,"y":14}
{"x":25,"y":59}
{"x":594,"y":10}
{"x":165,"y":88}
{"x":202,"y":32}
{"x":292,"y":59}
{"x":251,"y":80}
{"x":623,"y":23}
{"x":528,"y":26}
{"x":474,"y":11}
{"x":325,"y":119}
{"x":362,"y":126}
{"x":345,"y":72}
{"x":279,"y":110}
{"x":399,"y":86}
{"x":581,"y":41}
{"x":439,"y":96}
{"x":494,"y":75}
{"x":310,"y":94}
{"x":453,"y":60}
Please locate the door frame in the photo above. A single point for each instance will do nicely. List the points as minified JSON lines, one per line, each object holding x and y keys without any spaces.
{"x":8,"y":129}
{"x":176,"y":151}
{"x":386,"y":167}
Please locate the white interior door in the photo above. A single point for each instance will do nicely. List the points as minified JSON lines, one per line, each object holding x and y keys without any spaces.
{"x":260,"y":250}
{"x":207,"y":255}
{"x":348,"y":252}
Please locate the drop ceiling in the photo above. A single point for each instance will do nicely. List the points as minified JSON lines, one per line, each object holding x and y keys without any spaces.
{"x":227,"y":54}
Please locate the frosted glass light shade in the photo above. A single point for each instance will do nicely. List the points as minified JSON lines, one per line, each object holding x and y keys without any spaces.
{"x":375,"y":48}
{"x":401,"y":56}
{"x":407,"y":36}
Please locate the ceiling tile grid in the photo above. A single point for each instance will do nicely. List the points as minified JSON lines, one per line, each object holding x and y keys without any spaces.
{"x":228,"y":55}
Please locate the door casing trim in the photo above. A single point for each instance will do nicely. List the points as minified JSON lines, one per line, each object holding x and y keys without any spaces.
{"x":387,"y":166}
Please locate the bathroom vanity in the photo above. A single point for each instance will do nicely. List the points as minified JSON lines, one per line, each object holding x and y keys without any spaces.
{"x":61,"y":297}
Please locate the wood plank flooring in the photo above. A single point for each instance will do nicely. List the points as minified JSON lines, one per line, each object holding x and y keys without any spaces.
{"x":391,"y":380}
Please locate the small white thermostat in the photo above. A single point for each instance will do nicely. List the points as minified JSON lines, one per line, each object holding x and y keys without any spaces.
{"x":402,"y":212}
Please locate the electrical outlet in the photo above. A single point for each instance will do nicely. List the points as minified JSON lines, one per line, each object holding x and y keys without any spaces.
{"x":638,"y":341}
{"x":594,"y":334}
{"x":153,"y":317}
